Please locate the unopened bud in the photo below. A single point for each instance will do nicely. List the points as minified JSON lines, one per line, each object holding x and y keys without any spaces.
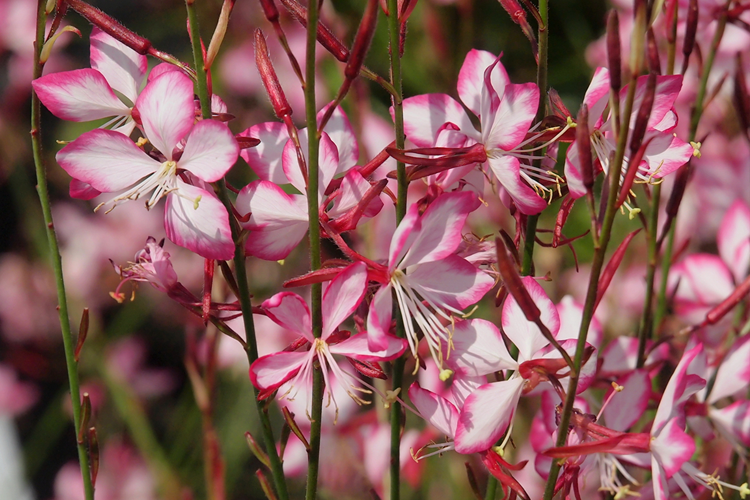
{"x":614,"y":54}
{"x":652,"y":50}
{"x":514,"y":283}
{"x":49,"y":44}
{"x":85,"y":417}
{"x":644,"y":114}
{"x":691,"y":27}
{"x":221,"y":29}
{"x":257,"y":450}
{"x":83,"y":331}
{"x":289,"y":419}
{"x":110,"y":26}
{"x":93,"y":455}
{"x":583,"y":143}
{"x":265,"y":485}
{"x":270,"y":10}
{"x":362,"y":40}
{"x":268,"y":75}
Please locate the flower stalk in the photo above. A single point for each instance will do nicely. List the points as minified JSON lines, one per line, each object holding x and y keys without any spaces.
{"x":54,"y":252}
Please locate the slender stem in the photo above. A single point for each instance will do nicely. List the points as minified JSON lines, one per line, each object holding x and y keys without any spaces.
{"x":491,"y":488}
{"x":666,"y":262}
{"x":41,"y":179}
{"x":596,"y":268}
{"x":251,"y":348}
{"x":647,"y":324}
{"x":313,"y":454}
{"x":398,"y":118}
{"x":528,"y":245}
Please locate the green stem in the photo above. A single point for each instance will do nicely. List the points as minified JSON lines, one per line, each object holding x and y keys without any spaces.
{"x":596,"y":267}
{"x":251,"y":348}
{"x":528,"y":245}
{"x":313,"y":454}
{"x":41,"y":179}
{"x":645,"y":330}
{"x":403,"y":185}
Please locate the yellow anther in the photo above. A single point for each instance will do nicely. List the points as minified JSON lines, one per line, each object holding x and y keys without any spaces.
{"x":696,"y":148}
{"x":616,"y":387}
{"x":445,"y":374}
{"x":196,"y":202}
{"x":142,"y":141}
{"x":391,"y":396}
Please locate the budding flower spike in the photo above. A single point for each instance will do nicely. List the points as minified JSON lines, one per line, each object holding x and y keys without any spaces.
{"x":111,"y":163}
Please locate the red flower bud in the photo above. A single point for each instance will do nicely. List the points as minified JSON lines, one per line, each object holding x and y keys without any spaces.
{"x":268,"y":75}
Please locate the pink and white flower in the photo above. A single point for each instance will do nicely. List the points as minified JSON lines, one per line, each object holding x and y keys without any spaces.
{"x":110,"y":162}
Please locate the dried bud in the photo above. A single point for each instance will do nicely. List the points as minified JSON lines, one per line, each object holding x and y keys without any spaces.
{"x":265,"y":485}
{"x":257,"y":450}
{"x":85,"y":417}
{"x":614,"y":54}
{"x":221,"y":29}
{"x":94,"y":455}
{"x":289,"y":419}
{"x":268,"y":75}
{"x":583,"y":143}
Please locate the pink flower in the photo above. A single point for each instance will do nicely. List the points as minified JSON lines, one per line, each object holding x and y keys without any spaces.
{"x":289,"y":310}
{"x":664,"y":152}
{"x":427,"y":276}
{"x":505,"y":111}
{"x":110,"y":162}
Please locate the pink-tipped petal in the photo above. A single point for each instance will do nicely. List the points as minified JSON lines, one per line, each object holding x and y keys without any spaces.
{"x":278,"y":220}
{"x":328,"y":162}
{"x":106,"y":160}
{"x":522,"y":332}
{"x":80,"y":95}
{"x":439,"y":229}
{"x":425,"y":115}
{"x":341,"y":132}
{"x":596,"y":96}
{"x":478,"y":349}
{"x":664,"y":153}
{"x":506,"y":126}
{"x":167,"y":110}
{"x":471,"y":78}
{"x":486,"y":415}
{"x":573,"y":176}
{"x":733,"y":375}
{"x":507,"y":169}
{"x":290,"y":311}
{"x":452,"y":281}
{"x":684,"y":382}
{"x":353,"y":189}
{"x":672,"y":447}
{"x":357,"y":347}
{"x":123,"y":67}
{"x":210,"y":150}
{"x":438,"y":411}
{"x":733,"y":421}
{"x":379,"y":320}
{"x":703,"y":280}
{"x":82,"y":190}
{"x":734,"y":239}
{"x":570,"y":313}
{"x":271,"y":371}
{"x":342,"y":296}
{"x":626,"y":407}
{"x":265,"y":158}
{"x":195,"y":219}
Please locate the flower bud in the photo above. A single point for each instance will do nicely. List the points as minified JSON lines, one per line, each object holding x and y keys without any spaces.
{"x":583,"y":143}
{"x":644,"y":113}
{"x":691,"y":28}
{"x":514,"y":284}
{"x":110,"y":26}
{"x":268,"y":75}
{"x":325,"y":36}
{"x":270,"y":10}
{"x":362,"y":40}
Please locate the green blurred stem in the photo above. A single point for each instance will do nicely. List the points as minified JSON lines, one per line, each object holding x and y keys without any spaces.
{"x":491,"y":488}
{"x":403,"y":185}
{"x":645,"y":331}
{"x":41,"y":179}
{"x":600,"y":250}
{"x":313,"y":454}
{"x":528,"y":245}
{"x":129,"y":408}
{"x":251,"y":348}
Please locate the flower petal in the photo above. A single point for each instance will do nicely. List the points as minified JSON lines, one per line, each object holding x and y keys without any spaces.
{"x":290,"y":311}
{"x":438,"y":411}
{"x":106,"y":160}
{"x":80,"y":95}
{"x":522,"y":332}
{"x":733,"y":374}
{"x":425,"y":115}
{"x":265,"y":158}
{"x":438,"y":233}
{"x":342,"y":296}
{"x":506,"y":126}
{"x":672,"y":447}
{"x":734,"y":239}
{"x":478,"y":349}
{"x":210,"y":150}
{"x":507,"y":169}
{"x":167,"y":110}
{"x":486,"y":415}
{"x":278,"y":220}
{"x":452,"y":281}
{"x":341,"y":132}
{"x":271,"y":371}
{"x":357,"y":347}
{"x":123,"y":67}
{"x":379,"y":319}
{"x":195,"y":219}
{"x":471,"y":78}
